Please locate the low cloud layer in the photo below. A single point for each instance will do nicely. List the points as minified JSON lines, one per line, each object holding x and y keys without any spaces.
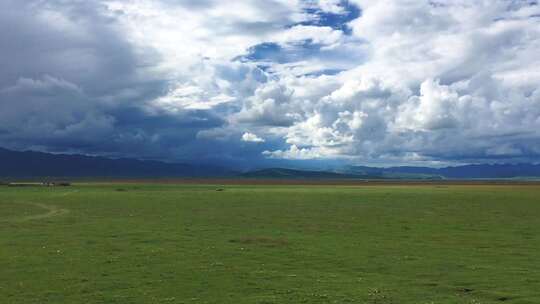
{"x":260,"y":82}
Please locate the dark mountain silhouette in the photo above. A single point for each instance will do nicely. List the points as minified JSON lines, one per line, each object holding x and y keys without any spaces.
{"x":285,"y":173}
{"x":31,"y":164}
{"x":490,"y":171}
{"x":485,"y":171}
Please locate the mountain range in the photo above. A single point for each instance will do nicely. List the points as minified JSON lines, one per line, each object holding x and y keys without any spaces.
{"x":30,"y":164}
{"x":479,"y":171}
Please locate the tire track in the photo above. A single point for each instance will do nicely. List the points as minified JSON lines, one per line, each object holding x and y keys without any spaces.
{"x":52,"y":211}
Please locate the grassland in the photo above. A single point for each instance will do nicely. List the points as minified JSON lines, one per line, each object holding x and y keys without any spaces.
{"x":157,"y":243}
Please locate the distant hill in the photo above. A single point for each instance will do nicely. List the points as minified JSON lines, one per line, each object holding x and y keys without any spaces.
{"x":31,"y":164}
{"x":299,"y":174}
{"x":481,"y":171}
{"x":391,"y":173}
{"x":495,"y":171}
{"x":365,"y":173}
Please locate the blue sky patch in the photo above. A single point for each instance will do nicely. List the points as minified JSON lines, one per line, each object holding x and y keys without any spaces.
{"x":335,"y":21}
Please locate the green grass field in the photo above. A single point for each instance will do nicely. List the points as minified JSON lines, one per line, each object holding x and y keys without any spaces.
{"x":137,"y":243}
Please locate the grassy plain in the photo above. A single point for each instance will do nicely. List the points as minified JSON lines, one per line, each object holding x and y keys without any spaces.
{"x":185,"y":243}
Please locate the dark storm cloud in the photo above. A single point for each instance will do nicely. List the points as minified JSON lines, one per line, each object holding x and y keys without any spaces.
{"x":62,"y":38}
{"x":70,"y":81}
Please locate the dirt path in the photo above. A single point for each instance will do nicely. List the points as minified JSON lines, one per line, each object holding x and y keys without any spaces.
{"x":68,"y":193}
{"x":51,"y":212}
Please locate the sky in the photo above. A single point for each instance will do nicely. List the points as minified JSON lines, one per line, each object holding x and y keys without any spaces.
{"x":257,"y":83}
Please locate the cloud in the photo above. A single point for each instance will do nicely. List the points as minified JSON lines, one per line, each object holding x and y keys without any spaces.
{"x":384,"y":82}
{"x":250,"y":137}
{"x":321,"y":35}
{"x":331,"y":6}
{"x":439,"y":84}
{"x":295,"y":153}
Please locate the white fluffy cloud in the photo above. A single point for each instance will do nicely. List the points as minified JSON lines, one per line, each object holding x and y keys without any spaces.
{"x":250,"y":137}
{"x":444,"y":81}
{"x":402,"y":82}
{"x":324,"y":35}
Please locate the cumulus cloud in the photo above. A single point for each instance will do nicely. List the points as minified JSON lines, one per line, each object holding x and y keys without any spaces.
{"x":295,"y":153}
{"x":439,"y":84}
{"x":250,"y":137}
{"x":361,"y":81}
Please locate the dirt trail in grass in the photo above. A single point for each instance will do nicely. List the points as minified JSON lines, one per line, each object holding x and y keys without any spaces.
{"x":51,"y":212}
{"x":68,"y":193}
